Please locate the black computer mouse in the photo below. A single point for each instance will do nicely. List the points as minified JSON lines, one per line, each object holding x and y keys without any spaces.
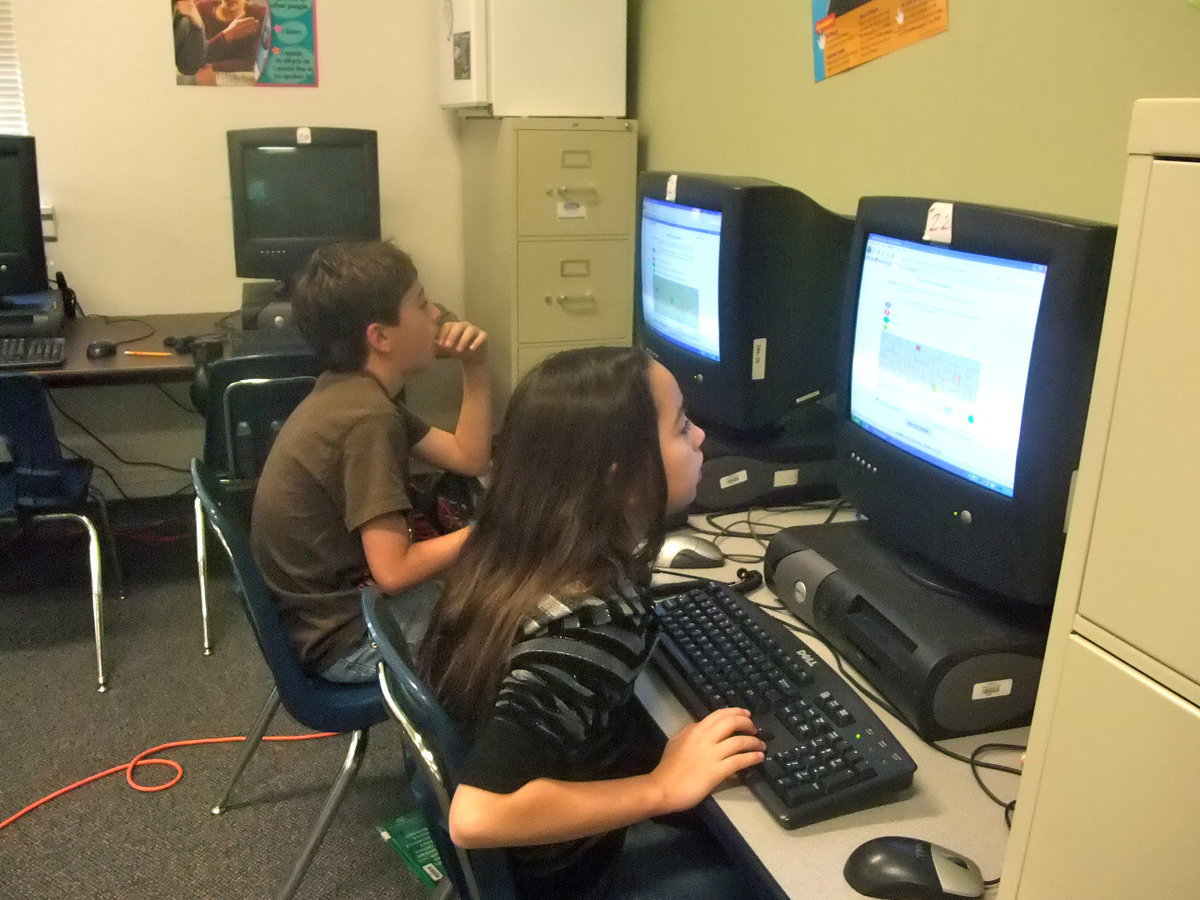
{"x":100,"y":349}
{"x":904,"y":868}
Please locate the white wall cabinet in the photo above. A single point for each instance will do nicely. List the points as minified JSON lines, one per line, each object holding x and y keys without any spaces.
{"x":1109,"y":805}
{"x":534,"y":57}
{"x":548,"y":230}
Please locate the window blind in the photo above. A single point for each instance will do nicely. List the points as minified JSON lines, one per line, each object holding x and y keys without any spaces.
{"x":12,"y":97}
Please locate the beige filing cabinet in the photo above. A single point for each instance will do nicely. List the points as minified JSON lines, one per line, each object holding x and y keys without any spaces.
{"x":548,"y":223}
{"x":1109,"y":806}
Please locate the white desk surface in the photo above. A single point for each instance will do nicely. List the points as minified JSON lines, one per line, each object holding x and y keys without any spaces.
{"x":944,"y":804}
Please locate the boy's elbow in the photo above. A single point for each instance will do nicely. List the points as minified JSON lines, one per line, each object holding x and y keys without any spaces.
{"x":468,"y":828}
{"x":477,"y":468}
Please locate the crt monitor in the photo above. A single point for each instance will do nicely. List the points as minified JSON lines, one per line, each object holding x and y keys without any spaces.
{"x":22,"y":251}
{"x":966,"y":375}
{"x":294,"y":189}
{"x":738,"y":283}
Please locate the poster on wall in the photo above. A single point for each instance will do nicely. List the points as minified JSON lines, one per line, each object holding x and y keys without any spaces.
{"x":223,"y":43}
{"x":848,"y":33}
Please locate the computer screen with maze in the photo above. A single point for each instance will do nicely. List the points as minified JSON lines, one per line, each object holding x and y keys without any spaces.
{"x":942,"y":342}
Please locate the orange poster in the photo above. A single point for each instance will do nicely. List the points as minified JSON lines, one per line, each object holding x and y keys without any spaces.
{"x":848,"y":33}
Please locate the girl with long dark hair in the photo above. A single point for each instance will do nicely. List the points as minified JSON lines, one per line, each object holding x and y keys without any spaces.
{"x":546,"y":624}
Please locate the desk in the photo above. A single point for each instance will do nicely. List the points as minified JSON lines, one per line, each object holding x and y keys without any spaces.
{"x":121,"y":369}
{"x":944,"y":805}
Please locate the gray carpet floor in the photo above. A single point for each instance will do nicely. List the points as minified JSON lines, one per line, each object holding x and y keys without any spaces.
{"x":105,"y":840}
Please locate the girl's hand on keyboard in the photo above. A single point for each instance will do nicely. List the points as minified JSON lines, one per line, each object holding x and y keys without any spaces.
{"x":704,"y":754}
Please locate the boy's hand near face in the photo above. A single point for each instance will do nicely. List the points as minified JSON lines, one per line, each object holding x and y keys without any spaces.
{"x":462,"y":341}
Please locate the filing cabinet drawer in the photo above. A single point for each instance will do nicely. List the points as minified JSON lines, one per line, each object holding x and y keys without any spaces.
{"x":574,"y":290}
{"x":530,"y":356}
{"x":575,"y":182}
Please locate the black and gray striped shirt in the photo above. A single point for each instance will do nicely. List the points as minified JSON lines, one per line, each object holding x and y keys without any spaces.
{"x":564,"y":711}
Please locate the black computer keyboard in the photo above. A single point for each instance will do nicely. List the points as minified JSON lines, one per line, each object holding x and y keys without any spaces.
{"x":28,"y":352}
{"x":827,"y":752}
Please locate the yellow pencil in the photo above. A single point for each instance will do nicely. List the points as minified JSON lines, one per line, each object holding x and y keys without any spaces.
{"x":147,"y":353}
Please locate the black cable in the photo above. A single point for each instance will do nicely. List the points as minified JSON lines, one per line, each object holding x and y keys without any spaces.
{"x":110,"y":320}
{"x":114,"y":453}
{"x":162,"y":390}
{"x":223,"y":322}
{"x":96,"y":465}
{"x":834,"y":510}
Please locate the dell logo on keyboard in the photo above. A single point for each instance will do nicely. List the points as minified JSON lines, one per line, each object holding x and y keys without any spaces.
{"x":807,"y":657}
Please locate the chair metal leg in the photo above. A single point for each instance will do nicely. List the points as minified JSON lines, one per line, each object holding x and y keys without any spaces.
{"x":97,"y":586}
{"x":253,"y":739}
{"x":202,"y":572}
{"x":116,"y":573}
{"x":354,"y":757}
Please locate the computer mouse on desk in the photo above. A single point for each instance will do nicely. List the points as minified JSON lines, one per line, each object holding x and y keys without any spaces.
{"x":100,"y":349}
{"x":684,"y":550}
{"x":904,"y":868}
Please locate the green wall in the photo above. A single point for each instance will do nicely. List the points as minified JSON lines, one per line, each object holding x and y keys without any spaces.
{"x":1019,"y":103}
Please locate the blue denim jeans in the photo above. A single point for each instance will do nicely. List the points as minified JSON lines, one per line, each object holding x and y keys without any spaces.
{"x":667,"y":860}
{"x":412,"y":609}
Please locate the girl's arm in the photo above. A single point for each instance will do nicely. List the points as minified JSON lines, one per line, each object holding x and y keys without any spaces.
{"x":546,"y":811}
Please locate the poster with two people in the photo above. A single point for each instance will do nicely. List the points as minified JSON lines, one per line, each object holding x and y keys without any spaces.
{"x":233,"y":43}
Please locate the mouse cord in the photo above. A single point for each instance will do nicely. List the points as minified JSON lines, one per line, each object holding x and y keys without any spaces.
{"x":111,"y":320}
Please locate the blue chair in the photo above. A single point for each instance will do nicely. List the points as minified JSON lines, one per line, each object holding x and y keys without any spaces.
{"x":313,"y":702}
{"x":436,"y":749}
{"x":38,"y":485}
{"x":245,"y":400}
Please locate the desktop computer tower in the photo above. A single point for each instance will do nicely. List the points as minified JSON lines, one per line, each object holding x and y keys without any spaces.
{"x":953,"y":664}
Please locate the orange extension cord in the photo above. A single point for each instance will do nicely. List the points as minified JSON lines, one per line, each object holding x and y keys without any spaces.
{"x":141,"y":760}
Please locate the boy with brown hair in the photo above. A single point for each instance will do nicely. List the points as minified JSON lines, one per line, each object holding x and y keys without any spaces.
{"x":332,"y":506}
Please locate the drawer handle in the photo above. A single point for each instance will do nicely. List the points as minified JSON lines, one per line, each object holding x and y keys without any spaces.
{"x":573,"y":303}
{"x":568,"y":192}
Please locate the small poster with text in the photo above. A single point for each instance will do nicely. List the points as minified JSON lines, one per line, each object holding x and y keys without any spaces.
{"x":848,"y":33}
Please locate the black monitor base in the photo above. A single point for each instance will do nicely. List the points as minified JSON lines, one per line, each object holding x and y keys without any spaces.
{"x":952,"y":662}
{"x":794,"y":464}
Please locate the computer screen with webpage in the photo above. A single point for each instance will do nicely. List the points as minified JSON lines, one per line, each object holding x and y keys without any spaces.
{"x":680,"y":268}
{"x":942,"y":344}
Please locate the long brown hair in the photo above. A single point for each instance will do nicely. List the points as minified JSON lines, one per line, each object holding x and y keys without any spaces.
{"x":576,"y":504}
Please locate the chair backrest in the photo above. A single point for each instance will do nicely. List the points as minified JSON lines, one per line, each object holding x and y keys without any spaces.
{"x":254,"y":410}
{"x":274,"y":383}
{"x":312,"y":701}
{"x":33,"y":463}
{"x":437,"y":749}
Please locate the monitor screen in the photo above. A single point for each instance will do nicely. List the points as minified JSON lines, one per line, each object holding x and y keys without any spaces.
{"x":942,"y":343}
{"x":680,"y":271}
{"x":323,"y":191}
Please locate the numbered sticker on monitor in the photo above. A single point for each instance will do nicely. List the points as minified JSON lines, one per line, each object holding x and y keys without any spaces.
{"x":303,"y":135}
{"x":988,"y":690}
{"x":758,"y":360}
{"x":939,"y":224}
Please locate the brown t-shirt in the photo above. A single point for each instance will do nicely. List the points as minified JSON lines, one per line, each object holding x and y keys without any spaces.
{"x":340,"y":460}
